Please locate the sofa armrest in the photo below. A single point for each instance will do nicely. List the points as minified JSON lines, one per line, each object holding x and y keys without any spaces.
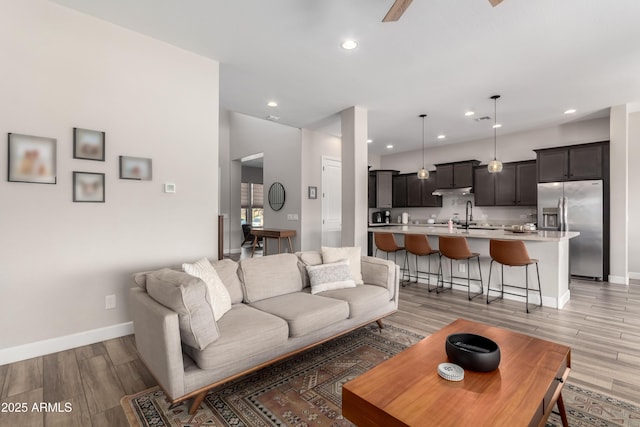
{"x":381,"y":272}
{"x":158,"y":341}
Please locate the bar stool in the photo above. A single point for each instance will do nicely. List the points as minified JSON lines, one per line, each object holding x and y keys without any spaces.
{"x":418,"y":245}
{"x":512,"y":253}
{"x":386,"y":242}
{"x":457,"y":248}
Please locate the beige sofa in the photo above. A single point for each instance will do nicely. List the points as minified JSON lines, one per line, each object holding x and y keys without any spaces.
{"x":273,"y":315}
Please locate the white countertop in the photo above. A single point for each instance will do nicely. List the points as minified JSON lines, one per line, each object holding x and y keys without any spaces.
{"x":436,"y":230}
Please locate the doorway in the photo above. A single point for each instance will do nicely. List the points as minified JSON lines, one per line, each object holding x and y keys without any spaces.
{"x":331,"y":201}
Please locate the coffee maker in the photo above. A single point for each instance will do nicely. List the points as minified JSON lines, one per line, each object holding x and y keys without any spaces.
{"x":387,"y":216}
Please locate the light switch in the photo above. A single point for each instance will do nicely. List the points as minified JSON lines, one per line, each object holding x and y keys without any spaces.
{"x":169,"y":187}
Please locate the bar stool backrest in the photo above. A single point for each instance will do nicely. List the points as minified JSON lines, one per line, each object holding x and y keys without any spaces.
{"x":417,"y":244}
{"x":454,"y":247}
{"x":509,"y":252}
{"x":385,"y":242}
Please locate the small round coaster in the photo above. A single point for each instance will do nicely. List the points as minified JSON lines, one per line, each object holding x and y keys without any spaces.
{"x":450,"y":372}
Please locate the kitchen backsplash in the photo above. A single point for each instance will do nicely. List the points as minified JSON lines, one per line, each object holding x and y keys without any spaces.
{"x":451,"y":205}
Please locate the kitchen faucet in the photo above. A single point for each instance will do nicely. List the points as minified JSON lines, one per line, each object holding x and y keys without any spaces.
{"x":468,"y":214}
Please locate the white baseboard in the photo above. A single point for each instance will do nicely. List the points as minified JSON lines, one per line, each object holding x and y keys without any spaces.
{"x":635,"y":276}
{"x":620,"y":280}
{"x":54,"y":345}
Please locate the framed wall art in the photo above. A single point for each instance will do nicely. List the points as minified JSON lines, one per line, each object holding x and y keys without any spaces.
{"x":88,"y":187}
{"x":88,"y":144}
{"x":138,"y":168}
{"x":31,"y":159}
{"x":313,"y":192}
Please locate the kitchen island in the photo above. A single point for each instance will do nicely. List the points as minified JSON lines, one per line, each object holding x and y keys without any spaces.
{"x":550,"y":248}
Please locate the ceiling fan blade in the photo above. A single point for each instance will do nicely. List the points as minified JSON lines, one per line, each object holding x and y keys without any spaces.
{"x":396,"y":10}
{"x":494,"y":3}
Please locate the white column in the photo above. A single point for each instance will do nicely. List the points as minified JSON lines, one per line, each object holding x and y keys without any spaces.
{"x":619,"y":188}
{"x":354,"y":177}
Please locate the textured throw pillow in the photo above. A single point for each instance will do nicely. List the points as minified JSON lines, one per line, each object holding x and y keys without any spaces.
{"x":353,"y":254}
{"x":328,"y":277}
{"x":217,"y":295}
{"x":186,"y":295}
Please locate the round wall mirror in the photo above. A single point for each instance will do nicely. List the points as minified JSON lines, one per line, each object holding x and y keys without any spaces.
{"x":276,"y":196}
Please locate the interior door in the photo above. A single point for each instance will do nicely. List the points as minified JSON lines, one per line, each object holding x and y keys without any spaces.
{"x":331,"y":202}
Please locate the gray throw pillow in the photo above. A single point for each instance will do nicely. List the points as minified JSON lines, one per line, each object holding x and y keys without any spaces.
{"x":329,"y":277}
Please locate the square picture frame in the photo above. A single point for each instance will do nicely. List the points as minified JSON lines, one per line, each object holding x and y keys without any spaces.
{"x":31,"y":159}
{"x":313,"y":192}
{"x":136,"y":168}
{"x":88,"y":187}
{"x":88,"y":144}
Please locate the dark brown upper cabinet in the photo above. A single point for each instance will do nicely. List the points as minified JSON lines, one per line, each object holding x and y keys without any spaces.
{"x":573,"y":163}
{"x":419,"y":191}
{"x":515,"y":186}
{"x":455,"y":175}
{"x":381,"y":188}
{"x":409,"y":191}
{"x":400,"y":191}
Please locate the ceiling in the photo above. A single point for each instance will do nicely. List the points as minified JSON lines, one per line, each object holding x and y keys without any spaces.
{"x":442,"y":58}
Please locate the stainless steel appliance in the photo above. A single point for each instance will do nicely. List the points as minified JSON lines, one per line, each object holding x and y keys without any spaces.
{"x":576,"y":206}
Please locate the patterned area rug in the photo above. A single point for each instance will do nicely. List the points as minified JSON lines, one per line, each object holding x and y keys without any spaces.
{"x":305,"y":390}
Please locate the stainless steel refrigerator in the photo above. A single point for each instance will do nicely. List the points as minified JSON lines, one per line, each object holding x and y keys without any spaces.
{"x":576,"y":206}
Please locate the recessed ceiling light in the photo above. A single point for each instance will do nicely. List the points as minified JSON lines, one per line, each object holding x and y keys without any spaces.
{"x":496,"y":126}
{"x":272,"y":104}
{"x":390,"y":146}
{"x":469,"y":113}
{"x":349,"y":44}
{"x":570,"y":111}
{"x":442,"y":136}
{"x":369,"y":141}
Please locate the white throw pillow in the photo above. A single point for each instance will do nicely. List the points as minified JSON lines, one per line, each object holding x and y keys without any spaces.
{"x":328,"y":277}
{"x":217,"y":292}
{"x":353,"y":254}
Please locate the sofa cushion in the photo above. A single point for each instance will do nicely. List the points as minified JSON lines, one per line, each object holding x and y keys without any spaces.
{"x":353,"y":254}
{"x":187,"y":296}
{"x":325,"y":277}
{"x":362,"y":299}
{"x":217,"y":294}
{"x":304,"y":312}
{"x":228,"y":271}
{"x":269,"y":276}
{"x":244,"y":332}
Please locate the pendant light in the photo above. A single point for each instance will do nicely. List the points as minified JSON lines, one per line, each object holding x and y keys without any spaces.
{"x":423,"y":173}
{"x":495,"y":165}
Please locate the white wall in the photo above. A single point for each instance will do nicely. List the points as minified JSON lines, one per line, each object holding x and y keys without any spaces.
{"x":634,"y":201}
{"x":281,"y":146}
{"x":314,"y":146}
{"x":58,"y":259}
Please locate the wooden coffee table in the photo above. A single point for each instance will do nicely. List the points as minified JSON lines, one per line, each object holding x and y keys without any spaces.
{"x":406,"y":390}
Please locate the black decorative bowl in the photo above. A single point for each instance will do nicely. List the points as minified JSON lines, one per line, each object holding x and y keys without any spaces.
{"x":473,"y":352}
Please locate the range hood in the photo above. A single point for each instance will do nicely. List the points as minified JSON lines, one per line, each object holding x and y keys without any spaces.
{"x":452,"y":191}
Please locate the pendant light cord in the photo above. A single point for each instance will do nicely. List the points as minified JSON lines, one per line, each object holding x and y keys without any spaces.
{"x":495,"y":129}
{"x":423,"y":116}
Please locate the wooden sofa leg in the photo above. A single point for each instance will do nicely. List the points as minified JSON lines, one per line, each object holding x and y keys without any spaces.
{"x":380,"y":325}
{"x":197,"y":401}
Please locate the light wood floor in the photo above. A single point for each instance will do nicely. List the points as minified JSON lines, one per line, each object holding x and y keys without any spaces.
{"x":601,"y":323}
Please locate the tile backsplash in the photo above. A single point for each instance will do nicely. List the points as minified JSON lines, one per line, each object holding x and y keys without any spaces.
{"x":451,"y":205}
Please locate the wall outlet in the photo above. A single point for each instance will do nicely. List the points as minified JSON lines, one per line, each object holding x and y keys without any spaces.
{"x":462,"y":268}
{"x":109,"y":302}
{"x":292,"y":217}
